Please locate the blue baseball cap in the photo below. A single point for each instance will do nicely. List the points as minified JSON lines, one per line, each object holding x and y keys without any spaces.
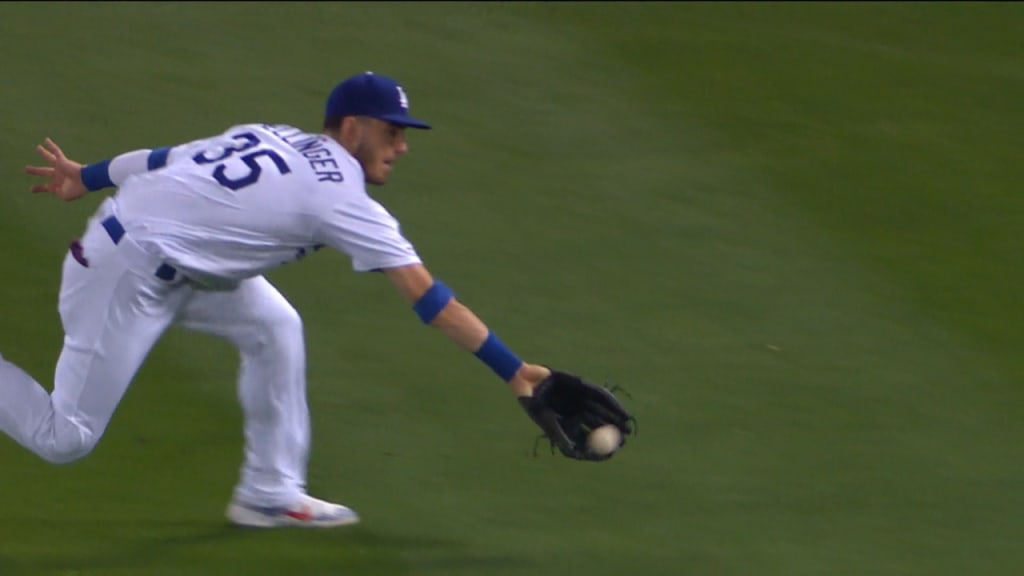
{"x":372,"y":95}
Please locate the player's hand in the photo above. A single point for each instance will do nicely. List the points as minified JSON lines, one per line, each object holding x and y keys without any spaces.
{"x":527,"y":378}
{"x":65,"y":175}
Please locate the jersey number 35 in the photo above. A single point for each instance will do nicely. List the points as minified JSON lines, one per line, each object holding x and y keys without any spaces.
{"x":246,"y":140}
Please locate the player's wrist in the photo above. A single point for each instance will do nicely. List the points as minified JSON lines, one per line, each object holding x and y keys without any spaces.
{"x":96,"y":176}
{"x":520,"y":387}
{"x":499,"y":358}
{"x":527,"y":378}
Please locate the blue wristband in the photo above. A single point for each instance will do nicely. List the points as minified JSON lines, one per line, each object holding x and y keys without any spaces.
{"x":498,"y":357}
{"x":433,"y":301}
{"x":97,"y":176}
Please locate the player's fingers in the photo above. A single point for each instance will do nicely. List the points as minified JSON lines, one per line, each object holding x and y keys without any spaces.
{"x":47,"y":155}
{"x":40,"y":188}
{"x":39,"y":171}
{"x":54,"y":148}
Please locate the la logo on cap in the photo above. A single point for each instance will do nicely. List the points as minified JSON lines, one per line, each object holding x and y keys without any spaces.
{"x":402,"y":98}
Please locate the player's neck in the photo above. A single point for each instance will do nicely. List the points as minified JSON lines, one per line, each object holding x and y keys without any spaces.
{"x":336,"y":135}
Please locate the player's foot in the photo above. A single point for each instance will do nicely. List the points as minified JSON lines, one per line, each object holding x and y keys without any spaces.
{"x":307,"y":512}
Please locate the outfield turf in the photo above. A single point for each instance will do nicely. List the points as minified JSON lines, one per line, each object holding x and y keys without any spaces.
{"x":791,"y":231}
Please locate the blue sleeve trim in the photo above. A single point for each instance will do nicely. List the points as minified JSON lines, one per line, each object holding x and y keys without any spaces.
{"x":158,"y":158}
{"x":433,"y":301}
{"x":97,"y":176}
{"x":498,"y":357}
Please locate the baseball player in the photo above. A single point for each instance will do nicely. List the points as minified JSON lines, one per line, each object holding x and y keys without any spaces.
{"x":186,"y":239}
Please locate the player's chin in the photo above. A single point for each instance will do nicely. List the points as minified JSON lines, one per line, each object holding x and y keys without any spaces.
{"x":377,"y":179}
{"x":380,"y":175}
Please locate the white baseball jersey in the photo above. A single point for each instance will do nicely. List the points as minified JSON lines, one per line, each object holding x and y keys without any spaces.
{"x":254,"y":198}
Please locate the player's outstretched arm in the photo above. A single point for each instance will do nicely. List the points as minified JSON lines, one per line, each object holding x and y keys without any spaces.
{"x":584,"y":421}
{"x":70,"y":180}
{"x":436,"y":305}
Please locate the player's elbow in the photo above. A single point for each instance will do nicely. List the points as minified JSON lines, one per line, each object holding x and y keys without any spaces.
{"x":447,"y":315}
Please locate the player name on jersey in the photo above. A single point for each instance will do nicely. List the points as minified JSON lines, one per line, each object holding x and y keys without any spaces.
{"x":313,"y":148}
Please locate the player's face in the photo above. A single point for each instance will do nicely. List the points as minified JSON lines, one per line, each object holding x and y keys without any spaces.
{"x":380,"y":144}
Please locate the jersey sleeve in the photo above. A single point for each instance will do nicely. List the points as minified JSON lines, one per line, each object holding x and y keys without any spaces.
{"x":364,"y":230}
{"x":114,"y":171}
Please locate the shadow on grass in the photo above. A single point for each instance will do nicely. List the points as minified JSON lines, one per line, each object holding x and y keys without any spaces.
{"x":194,"y":548}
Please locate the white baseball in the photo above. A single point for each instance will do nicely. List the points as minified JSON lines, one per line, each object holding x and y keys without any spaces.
{"x":604,"y":440}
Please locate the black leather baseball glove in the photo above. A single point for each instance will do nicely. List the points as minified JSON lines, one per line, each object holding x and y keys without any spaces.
{"x":567,"y":408}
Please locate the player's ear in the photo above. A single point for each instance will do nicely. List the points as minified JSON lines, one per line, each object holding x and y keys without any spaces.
{"x":350,"y":132}
{"x":348,"y":125}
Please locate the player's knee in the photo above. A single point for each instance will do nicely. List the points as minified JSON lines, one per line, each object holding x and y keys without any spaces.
{"x":281,"y":329}
{"x":68,"y":448}
{"x":288,"y":321}
{"x":67,"y":456}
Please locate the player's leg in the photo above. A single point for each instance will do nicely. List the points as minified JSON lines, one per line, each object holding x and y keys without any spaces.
{"x":271,"y":383}
{"x":268,"y":332}
{"x":112,"y":316}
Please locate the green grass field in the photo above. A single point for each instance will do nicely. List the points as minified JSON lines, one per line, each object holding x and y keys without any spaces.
{"x":791,"y":231}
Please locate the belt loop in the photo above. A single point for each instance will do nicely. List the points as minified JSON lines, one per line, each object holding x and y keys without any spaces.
{"x":113,"y":228}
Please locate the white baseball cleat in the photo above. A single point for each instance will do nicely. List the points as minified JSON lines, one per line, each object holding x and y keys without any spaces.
{"x":308,"y":512}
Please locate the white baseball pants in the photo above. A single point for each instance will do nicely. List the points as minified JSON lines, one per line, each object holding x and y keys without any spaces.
{"x":113,"y":312}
